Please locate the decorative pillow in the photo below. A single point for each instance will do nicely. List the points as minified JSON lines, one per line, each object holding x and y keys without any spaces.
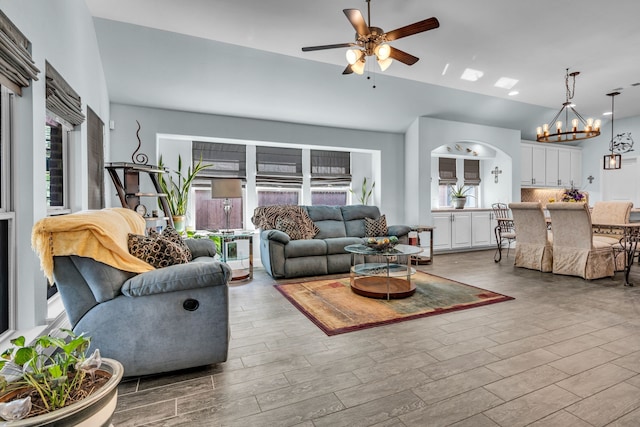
{"x":170,"y":234}
{"x":375,"y":227}
{"x":156,"y":250}
{"x":266,"y":218}
{"x":290,"y":227}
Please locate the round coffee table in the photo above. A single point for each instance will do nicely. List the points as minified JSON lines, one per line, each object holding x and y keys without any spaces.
{"x":382,"y":274}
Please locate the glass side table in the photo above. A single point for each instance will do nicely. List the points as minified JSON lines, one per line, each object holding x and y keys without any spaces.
{"x":233,"y":254}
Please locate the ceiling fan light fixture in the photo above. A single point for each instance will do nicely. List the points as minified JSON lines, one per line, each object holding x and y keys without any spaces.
{"x":358,"y":67}
{"x":383,"y":51}
{"x":353,"y":56}
{"x":384,"y":63}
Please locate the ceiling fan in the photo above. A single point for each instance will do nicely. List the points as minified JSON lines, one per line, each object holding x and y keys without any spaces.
{"x":374,"y":41}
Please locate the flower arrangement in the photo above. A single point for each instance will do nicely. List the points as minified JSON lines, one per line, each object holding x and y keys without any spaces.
{"x":573,"y":195}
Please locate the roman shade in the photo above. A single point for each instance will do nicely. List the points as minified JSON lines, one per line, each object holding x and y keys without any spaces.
{"x":62,"y":100}
{"x":447,"y":171}
{"x":17,"y":68}
{"x":330,"y":168}
{"x":471,"y":172}
{"x":226,"y":160}
{"x":278,"y":167}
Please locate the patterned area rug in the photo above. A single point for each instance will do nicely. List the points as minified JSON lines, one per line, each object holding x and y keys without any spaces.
{"x":335,"y":309}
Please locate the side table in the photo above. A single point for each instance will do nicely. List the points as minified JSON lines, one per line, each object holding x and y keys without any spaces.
{"x":422,"y":259}
{"x":229,"y":252}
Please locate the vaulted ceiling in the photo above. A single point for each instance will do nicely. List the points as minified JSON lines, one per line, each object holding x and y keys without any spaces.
{"x":243,"y":57}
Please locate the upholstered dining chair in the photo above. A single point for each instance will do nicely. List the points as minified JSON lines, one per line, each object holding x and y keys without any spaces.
{"x":612,"y":212}
{"x":575,"y":251}
{"x":534,"y":248}
{"x":504,"y":231}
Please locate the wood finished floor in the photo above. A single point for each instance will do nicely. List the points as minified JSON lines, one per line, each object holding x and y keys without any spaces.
{"x":565,"y":352}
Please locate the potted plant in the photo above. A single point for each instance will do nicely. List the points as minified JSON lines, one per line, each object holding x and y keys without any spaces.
{"x":365,"y":192}
{"x":53,"y":382}
{"x":459,"y":196}
{"x":177,"y":190}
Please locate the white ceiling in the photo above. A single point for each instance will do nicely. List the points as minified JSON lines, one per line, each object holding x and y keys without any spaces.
{"x":532,"y":41}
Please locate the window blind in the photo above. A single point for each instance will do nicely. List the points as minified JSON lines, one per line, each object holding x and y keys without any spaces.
{"x":17,"y":68}
{"x":62,"y":100}
{"x":471,"y":172}
{"x":226,"y":160}
{"x":447,"y":171}
{"x":330,"y":168}
{"x":278,"y":167}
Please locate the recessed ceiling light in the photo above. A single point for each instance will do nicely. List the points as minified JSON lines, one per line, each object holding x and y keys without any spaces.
{"x":471,"y":74}
{"x":607,"y":113}
{"x":446,"y":67}
{"x":513,"y":93}
{"x":506,"y":83}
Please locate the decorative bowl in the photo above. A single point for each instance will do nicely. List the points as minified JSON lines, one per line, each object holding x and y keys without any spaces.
{"x":382,"y":243}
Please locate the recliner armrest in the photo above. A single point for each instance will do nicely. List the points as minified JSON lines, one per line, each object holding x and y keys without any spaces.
{"x":398,"y":230}
{"x":276,"y":235}
{"x":201,"y":247}
{"x":178,"y":277}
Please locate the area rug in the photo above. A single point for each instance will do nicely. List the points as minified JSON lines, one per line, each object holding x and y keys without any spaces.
{"x":335,"y":309}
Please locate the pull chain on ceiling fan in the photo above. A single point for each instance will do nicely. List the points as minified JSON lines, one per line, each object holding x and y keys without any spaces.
{"x":372,"y":41}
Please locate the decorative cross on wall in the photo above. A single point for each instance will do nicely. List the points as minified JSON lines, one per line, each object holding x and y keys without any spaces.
{"x":496,"y":172}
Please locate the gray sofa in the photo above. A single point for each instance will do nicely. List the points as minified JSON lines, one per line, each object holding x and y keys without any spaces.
{"x":339,"y":226}
{"x":166,"y":319}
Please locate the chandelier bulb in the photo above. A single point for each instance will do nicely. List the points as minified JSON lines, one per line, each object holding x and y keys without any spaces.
{"x":574,"y":125}
{"x":596,"y":124}
{"x":559,"y":126}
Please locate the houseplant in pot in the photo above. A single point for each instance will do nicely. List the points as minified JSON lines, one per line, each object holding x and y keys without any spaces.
{"x":177,"y":190}
{"x":52,"y":382}
{"x":459,"y":196}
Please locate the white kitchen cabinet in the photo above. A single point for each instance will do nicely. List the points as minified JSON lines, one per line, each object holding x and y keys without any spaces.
{"x":550,"y":166}
{"x":461,"y":230}
{"x":442,"y":224}
{"x":532,"y":165}
{"x":481,"y":230}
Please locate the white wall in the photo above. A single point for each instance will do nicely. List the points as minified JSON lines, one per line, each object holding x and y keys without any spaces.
{"x":433,"y":133}
{"x":390,"y":181}
{"x":593,"y":151}
{"x":62,"y":33}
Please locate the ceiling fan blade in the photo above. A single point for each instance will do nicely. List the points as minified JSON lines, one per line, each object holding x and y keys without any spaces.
{"x":403,"y":57}
{"x":348,"y":70}
{"x":327,"y":46}
{"x":357,"y":20}
{"x":415,"y":28}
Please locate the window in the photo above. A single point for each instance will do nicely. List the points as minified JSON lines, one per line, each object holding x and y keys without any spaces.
{"x":279,"y":175}
{"x":56,"y":173}
{"x":472,"y":180}
{"x":7,"y":235}
{"x":447,"y":173}
{"x":227,"y":161}
{"x":446,"y":178}
{"x":330,"y":177}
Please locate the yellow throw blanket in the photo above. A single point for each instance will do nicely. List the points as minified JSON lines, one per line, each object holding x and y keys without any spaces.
{"x":98,"y":234}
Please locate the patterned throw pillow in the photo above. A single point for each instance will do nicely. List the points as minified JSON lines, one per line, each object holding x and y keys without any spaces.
{"x":156,"y":250}
{"x":375,"y":227}
{"x":172,"y":235}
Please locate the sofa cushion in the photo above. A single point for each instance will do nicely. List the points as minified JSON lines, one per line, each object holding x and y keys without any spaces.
{"x":303,"y":248}
{"x":354,"y":216}
{"x":156,"y":250}
{"x":376,"y":227}
{"x":336,"y":245}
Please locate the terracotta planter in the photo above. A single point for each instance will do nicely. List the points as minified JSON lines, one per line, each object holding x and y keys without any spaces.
{"x":458,"y":202}
{"x":94,"y":411}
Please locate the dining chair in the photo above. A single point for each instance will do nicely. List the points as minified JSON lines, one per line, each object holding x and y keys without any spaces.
{"x":612,"y":212}
{"x":534,"y":247}
{"x":504,"y":230}
{"x":575,"y":251}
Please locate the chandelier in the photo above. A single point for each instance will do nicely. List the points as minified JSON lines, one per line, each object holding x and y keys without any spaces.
{"x":578,"y":129}
{"x":612,"y":160}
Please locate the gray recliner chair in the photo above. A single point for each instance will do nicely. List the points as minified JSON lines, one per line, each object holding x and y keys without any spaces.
{"x":162,"y":320}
